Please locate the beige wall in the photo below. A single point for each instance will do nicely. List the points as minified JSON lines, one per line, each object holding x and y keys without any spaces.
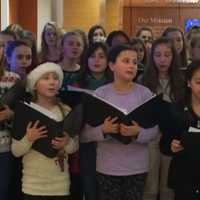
{"x":83,"y":14}
{"x":112,"y":13}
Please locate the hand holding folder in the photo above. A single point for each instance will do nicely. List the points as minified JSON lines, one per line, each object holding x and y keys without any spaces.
{"x":97,"y":109}
{"x":35,"y":132}
{"x":30,"y":112}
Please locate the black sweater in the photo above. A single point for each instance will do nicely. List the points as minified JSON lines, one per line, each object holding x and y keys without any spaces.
{"x":185,"y":165}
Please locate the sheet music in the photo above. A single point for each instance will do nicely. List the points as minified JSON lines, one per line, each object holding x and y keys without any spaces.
{"x":193,"y":130}
{"x":43,"y":111}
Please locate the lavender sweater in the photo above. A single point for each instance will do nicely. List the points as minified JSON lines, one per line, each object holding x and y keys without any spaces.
{"x":113,"y":157}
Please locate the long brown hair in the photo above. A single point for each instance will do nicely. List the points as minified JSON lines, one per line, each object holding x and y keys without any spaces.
{"x":151,"y":75}
{"x":183,"y":54}
{"x":44,"y":46}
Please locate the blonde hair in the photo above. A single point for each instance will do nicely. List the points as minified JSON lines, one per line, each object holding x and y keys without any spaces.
{"x":73,"y":33}
{"x":44,"y":46}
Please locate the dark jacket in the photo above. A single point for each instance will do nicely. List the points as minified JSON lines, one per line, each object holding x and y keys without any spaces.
{"x":185,"y":165}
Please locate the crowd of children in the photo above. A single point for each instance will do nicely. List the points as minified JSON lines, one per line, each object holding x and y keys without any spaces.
{"x":125,"y":71}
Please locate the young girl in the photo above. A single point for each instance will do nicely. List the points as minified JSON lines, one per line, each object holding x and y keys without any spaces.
{"x":15,"y":29}
{"x":19,"y":57}
{"x":146,"y":35}
{"x":85,"y":44}
{"x":116,"y":38}
{"x":42,"y":176}
{"x":162,"y":75}
{"x":139,"y":46}
{"x":96,"y":34}
{"x":184,"y":168}
{"x":30,"y":39}
{"x":72,"y":45}
{"x":95,"y":74}
{"x":193,"y":32}
{"x":7,"y":80}
{"x":195,"y":49}
{"x":50,"y":50}
{"x":177,"y":37}
{"x":121,"y":169}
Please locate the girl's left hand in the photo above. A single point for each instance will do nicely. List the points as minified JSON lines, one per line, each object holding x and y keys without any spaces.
{"x":60,"y":142}
{"x":132,"y":130}
{"x":6,"y":113}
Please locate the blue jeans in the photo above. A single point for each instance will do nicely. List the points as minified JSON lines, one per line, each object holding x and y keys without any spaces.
{"x":5,"y":174}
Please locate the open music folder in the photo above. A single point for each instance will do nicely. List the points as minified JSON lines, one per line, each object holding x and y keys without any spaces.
{"x":31,"y":112}
{"x":97,"y":109}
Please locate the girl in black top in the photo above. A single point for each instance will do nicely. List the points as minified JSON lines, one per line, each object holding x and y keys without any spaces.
{"x":184,"y":173}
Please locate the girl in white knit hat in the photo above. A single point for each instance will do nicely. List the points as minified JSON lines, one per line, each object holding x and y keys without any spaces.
{"x":43,"y":177}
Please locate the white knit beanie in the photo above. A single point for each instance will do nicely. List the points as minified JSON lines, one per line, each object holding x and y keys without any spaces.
{"x":39,"y":71}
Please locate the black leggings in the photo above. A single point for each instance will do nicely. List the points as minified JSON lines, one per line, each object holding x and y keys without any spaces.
{"x":30,"y":197}
{"x":120,"y":187}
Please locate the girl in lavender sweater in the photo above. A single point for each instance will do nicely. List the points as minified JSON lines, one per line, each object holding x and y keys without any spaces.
{"x":121,"y":169}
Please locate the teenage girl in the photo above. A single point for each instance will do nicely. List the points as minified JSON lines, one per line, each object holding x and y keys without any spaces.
{"x":72,"y":48}
{"x":30,"y":39}
{"x":117,"y":37}
{"x":177,"y":37}
{"x":195,"y":49}
{"x":7,"y":80}
{"x":96,"y":34}
{"x":44,"y":177}
{"x":140,"y":48}
{"x":50,"y":48}
{"x":121,"y":169}
{"x":162,"y":75}
{"x":95,"y":74}
{"x":184,"y":175}
{"x":146,"y":35}
{"x":19,"y":57}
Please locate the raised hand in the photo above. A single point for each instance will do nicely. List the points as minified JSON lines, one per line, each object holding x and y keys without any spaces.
{"x":35,"y":132}
{"x":110,"y":125}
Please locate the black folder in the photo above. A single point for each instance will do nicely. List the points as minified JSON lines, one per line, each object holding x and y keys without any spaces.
{"x":15,"y":93}
{"x":191,"y":144}
{"x":72,"y":96}
{"x":97,"y":110}
{"x":24,"y":113}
